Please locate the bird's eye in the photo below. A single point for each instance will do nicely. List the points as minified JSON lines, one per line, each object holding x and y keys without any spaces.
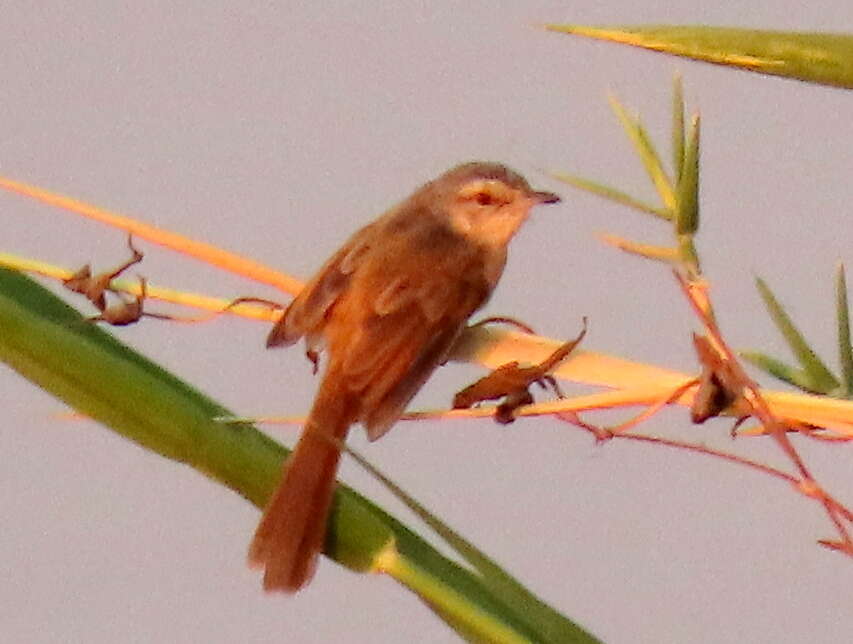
{"x":485,"y":193}
{"x":483,"y":198}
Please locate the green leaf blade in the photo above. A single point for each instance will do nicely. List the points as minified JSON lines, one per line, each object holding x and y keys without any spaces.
{"x":845,"y":352}
{"x":687,"y":200}
{"x":647,"y":153}
{"x":822,"y":58}
{"x":818,"y":375}
{"x":780,"y":370}
{"x":539,"y":620}
{"x":611,"y":194}
{"x":678,"y":128}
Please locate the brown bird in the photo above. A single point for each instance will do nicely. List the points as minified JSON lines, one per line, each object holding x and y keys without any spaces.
{"x":388,"y":307}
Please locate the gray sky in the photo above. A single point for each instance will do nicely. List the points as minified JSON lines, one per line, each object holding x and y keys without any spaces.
{"x":274,"y":129}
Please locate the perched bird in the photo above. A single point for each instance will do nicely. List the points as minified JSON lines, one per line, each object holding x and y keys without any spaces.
{"x":387,"y":307}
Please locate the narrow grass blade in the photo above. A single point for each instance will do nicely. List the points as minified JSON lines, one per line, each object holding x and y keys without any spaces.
{"x":648,"y":251}
{"x":845,"y":353}
{"x":817,"y":375}
{"x":611,"y":194}
{"x":687,"y":209}
{"x":200,"y":250}
{"x":646,"y":150}
{"x":781,"y":370}
{"x":677,"y":128}
{"x":49,"y":343}
{"x":152,"y":292}
{"x":823,"y":58}
{"x":547,"y":624}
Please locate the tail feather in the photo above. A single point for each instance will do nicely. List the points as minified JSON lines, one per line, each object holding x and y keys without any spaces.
{"x":292,"y":531}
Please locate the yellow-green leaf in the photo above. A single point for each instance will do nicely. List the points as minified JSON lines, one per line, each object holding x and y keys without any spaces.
{"x":677,"y":128}
{"x":817,"y":376}
{"x":779,"y":369}
{"x":824,"y":58}
{"x":647,"y":153}
{"x":687,"y":202}
{"x":665,"y":254}
{"x":845,"y":352}
{"x":612,"y":194}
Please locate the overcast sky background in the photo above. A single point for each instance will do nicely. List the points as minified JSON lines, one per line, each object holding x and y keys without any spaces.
{"x":274,"y":130}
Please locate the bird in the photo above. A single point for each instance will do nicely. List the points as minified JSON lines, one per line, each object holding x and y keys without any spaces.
{"x":386,"y":308}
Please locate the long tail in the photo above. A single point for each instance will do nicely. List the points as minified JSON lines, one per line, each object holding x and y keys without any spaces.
{"x":291,"y":533}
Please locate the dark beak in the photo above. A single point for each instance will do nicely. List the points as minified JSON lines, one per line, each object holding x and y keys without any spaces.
{"x":545,"y":197}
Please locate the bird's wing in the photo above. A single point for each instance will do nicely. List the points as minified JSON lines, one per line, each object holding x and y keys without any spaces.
{"x":307,"y":312}
{"x":400,"y":324}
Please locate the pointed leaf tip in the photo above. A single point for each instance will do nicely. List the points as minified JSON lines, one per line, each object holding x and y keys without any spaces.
{"x":822,"y":58}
